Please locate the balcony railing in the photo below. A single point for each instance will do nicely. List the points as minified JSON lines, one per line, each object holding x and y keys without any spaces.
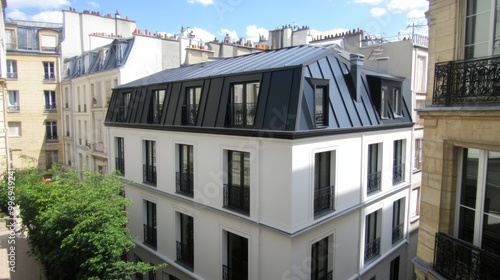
{"x":49,"y":77}
{"x":189,"y":114}
{"x":237,"y":197}
{"x":240,"y":114}
{"x":467,"y":82}
{"x":374,"y":181}
{"x":324,"y":200}
{"x":12,"y":75}
{"x":328,"y":276}
{"x":149,"y":174}
{"x":13,"y":108}
{"x":185,"y":253}
{"x":372,"y":249}
{"x":397,"y":233}
{"x":457,"y":259}
{"x":52,"y":138}
{"x":150,"y":235}
{"x":398,"y":174}
{"x":231,"y":274}
{"x":50,"y":107}
{"x":184,"y":183}
{"x":120,"y":165}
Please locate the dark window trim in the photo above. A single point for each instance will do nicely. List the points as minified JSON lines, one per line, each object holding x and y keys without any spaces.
{"x":191,"y":105}
{"x":315,"y":83}
{"x":246,"y":112}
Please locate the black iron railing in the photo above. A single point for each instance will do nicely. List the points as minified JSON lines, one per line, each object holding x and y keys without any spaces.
{"x":240,"y":114}
{"x":49,"y":77}
{"x":122,"y":114}
{"x":189,"y":114}
{"x":150,"y":235}
{"x":13,"y":108}
{"x":185,"y":253}
{"x":232,"y":274}
{"x":52,"y":137}
{"x":374,"y":181}
{"x":120,"y":165}
{"x":50,"y":107}
{"x":149,"y":174}
{"x":398,"y":174}
{"x":457,"y":259}
{"x":372,"y":249}
{"x":475,"y":81}
{"x":184,"y":183}
{"x":324,"y":200}
{"x":237,"y":197}
{"x":397,"y":233}
{"x":328,"y":276}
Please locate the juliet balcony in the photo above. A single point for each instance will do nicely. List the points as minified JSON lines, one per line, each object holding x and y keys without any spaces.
{"x":467,"y":82}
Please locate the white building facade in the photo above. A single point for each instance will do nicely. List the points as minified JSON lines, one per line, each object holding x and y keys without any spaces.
{"x":245,"y":169}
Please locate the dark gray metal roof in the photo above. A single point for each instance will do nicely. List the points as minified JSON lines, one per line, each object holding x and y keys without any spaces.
{"x":266,"y":60}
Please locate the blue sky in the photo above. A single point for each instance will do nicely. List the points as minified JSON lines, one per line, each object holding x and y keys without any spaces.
{"x":211,"y":19}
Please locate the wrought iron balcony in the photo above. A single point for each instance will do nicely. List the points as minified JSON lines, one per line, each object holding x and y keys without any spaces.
{"x":457,"y":259}
{"x":185,"y":253}
{"x":467,"y":82}
{"x":120,"y":165}
{"x":150,"y":235}
{"x":149,"y":174}
{"x":189,"y":114}
{"x":13,"y":108}
{"x":324,"y":200}
{"x":240,"y":114}
{"x":397,"y":233}
{"x":232,"y":274}
{"x":374,"y":181}
{"x":49,"y":77}
{"x":237,"y":198}
{"x":12,"y":75}
{"x":52,"y":138}
{"x":122,"y":114}
{"x":372,"y":250}
{"x":328,"y":276}
{"x":50,"y":107}
{"x":398,"y":174}
{"x":184,"y":183}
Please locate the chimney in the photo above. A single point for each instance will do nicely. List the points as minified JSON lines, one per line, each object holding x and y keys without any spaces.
{"x":356,"y":64}
{"x":117,"y":14}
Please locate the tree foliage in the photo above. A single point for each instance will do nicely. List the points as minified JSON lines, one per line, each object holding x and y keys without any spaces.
{"x":77,"y":228}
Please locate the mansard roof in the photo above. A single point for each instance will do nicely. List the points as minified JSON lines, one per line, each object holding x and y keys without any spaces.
{"x":286,"y":108}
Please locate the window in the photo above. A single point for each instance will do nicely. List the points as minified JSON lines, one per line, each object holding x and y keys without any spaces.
{"x":150,"y":223}
{"x":397,"y":101}
{"x":11,"y":69}
{"x":191,"y":105}
{"x":120,"y":155}
{"x":68,"y":125}
{"x":10,"y":39}
{"x":14,"y":129}
{"x":138,"y":275}
{"x":49,"y":43}
{"x":28,"y":38}
{"x":123,"y":107}
{"x":398,"y":220}
{"x":321,"y":106}
{"x":394,"y":270}
{"x":13,"y":101}
{"x":49,"y":71}
{"x":156,"y":106}
{"x":51,"y":157}
{"x":149,"y":167}
{"x":398,"y":171}
{"x":374,"y":178}
{"x":479,"y":199}
{"x":66,"y":98}
{"x":236,"y":263}
{"x":50,"y":100}
{"x":185,"y":250}
{"x":324,"y":189}
{"x":383,"y":103}
{"x":372,"y":236}
{"x":51,"y":130}
{"x":418,"y":154}
{"x":237,"y":189}
{"x":415,"y":203}
{"x":242,"y":104}
{"x":421,"y":74}
{"x":184,"y":175}
{"x":320,"y":259}
{"x":482,"y":35}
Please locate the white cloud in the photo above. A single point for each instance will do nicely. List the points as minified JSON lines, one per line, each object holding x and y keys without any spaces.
{"x":46,"y":4}
{"x":94,"y":4}
{"x":416,"y":14}
{"x":253,"y":33}
{"x":232,"y":34}
{"x":203,"y":34}
{"x":371,"y":2}
{"x":48,"y":16}
{"x":405,"y":5}
{"x":376,"y":12}
{"x":203,"y":2}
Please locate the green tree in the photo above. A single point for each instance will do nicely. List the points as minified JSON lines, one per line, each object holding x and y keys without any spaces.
{"x":77,"y":228}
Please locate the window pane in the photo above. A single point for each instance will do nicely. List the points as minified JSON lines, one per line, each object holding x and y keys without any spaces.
{"x":466,"y":225}
{"x":491,"y":234}
{"x":322,"y":170}
{"x":469,"y":178}
{"x":319,"y":105}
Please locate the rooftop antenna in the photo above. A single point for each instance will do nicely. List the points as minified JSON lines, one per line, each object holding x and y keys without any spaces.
{"x":417,"y":24}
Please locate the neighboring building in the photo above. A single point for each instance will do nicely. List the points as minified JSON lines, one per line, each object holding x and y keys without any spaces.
{"x":285,"y":164}
{"x":4,"y":140}
{"x":405,"y":57}
{"x":33,"y":96}
{"x":459,"y":235}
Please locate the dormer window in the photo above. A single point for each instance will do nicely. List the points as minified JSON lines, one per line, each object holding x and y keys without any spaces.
{"x":397,"y":99}
{"x":242,"y":104}
{"x":123,"y":107}
{"x":321,"y":106}
{"x":383,"y":102}
{"x":156,"y":106}
{"x":101,"y":59}
{"x":191,"y":105}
